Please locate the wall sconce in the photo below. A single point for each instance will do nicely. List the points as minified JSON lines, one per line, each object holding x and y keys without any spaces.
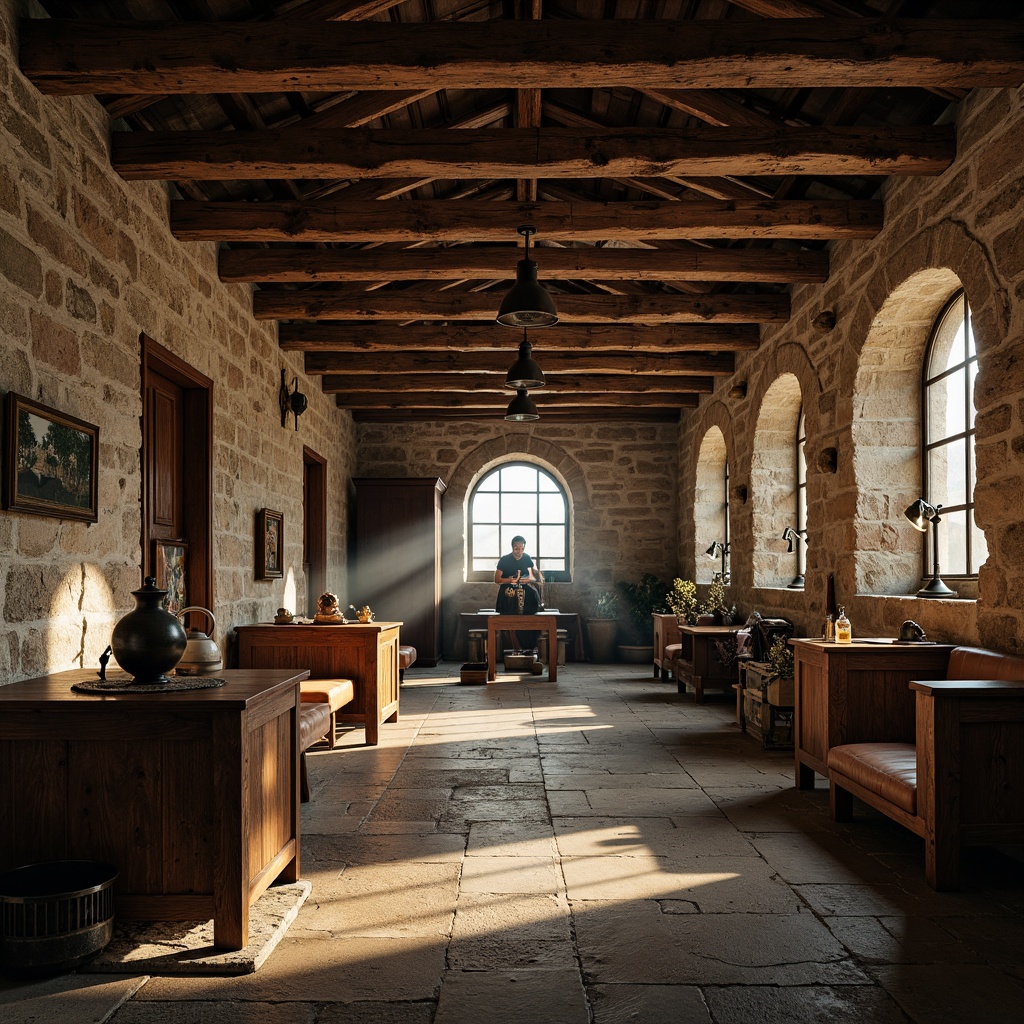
{"x":920,"y":514}
{"x":718,"y":548}
{"x":527,"y":303}
{"x":524,"y":372}
{"x":521,"y":408}
{"x":794,"y":537}
{"x":291,"y":401}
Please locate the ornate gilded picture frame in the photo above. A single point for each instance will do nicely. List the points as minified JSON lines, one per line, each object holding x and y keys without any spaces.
{"x":269,"y":544}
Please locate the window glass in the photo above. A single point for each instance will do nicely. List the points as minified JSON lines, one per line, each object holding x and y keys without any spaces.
{"x":518,"y":498}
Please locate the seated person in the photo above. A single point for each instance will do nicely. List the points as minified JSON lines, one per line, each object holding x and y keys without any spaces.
{"x":517,"y":580}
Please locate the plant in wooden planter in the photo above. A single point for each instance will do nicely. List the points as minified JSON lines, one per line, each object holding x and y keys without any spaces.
{"x":682,"y":600}
{"x":780,"y":659}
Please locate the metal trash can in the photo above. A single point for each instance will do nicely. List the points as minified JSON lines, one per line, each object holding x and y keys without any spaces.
{"x":53,"y":916}
{"x":562,"y":636}
{"x":477,"y":645}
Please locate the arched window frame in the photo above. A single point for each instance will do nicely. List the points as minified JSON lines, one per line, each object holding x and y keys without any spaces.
{"x":800,"y":487}
{"x":959,"y":443}
{"x":507,"y":527}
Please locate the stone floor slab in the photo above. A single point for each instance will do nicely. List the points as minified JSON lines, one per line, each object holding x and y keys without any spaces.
{"x":511,"y":874}
{"x":66,"y":999}
{"x":812,"y":1004}
{"x":648,"y":1004}
{"x":512,"y":997}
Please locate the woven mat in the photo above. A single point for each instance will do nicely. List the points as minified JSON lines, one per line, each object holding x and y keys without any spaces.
{"x":125,"y":684}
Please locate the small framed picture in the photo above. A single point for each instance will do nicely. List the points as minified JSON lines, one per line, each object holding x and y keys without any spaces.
{"x":170,"y":572}
{"x":269,"y":544}
{"x":50,"y":462}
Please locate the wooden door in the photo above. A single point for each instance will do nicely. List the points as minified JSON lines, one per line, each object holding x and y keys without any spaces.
{"x":314,"y":526}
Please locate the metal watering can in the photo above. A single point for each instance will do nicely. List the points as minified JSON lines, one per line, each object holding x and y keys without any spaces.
{"x":202,"y":656}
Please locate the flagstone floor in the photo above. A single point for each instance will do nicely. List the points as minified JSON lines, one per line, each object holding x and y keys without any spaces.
{"x":597,"y":851}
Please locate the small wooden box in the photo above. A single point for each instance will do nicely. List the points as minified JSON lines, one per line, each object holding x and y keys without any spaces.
{"x":772,"y":725}
{"x":473,"y":672}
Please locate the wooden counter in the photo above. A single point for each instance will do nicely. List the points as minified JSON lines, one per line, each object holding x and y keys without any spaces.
{"x":698,"y":664}
{"x":366,"y":654}
{"x":856,"y":693}
{"x":193,"y":795}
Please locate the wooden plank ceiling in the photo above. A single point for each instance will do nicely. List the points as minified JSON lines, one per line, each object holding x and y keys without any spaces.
{"x":366,"y":165}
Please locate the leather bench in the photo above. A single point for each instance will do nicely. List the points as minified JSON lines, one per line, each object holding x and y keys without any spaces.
{"x":962,"y":779}
{"x":314,"y":722}
{"x":335,"y":693}
{"x":406,"y":657}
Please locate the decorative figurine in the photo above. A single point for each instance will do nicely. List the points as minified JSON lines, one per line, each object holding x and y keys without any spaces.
{"x":283,"y":617}
{"x":327,"y":613}
{"x":364,"y":614}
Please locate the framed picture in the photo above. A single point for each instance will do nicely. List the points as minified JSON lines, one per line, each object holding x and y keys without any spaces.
{"x":169,"y":570}
{"x":269,"y":544}
{"x":50,"y":461}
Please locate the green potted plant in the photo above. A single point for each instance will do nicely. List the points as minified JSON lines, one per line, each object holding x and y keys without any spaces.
{"x":602,"y":626}
{"x":641,"y":600}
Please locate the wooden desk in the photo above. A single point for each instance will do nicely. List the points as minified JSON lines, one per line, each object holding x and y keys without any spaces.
{"x":698,"y":664}
{"x":193,"y":796}
{"x":501,"y":623}
{"x":855,"y":693}
{"x":666,"y":631}
{"x":366,"y":654}
{"x":569,"y":621}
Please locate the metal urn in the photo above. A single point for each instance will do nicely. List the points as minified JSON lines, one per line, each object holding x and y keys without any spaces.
{"x":202,"y":656}
{"x":148,"y":641}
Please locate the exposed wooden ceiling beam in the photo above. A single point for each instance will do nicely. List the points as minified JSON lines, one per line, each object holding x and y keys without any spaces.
{"x":465,"y":337}
{"x":563,"y":414}
{"x":334,"y":304}
{"x":555,"y":363}
{"x":466,"y":220}
{"x":453,"y":399}
{"x":531,"y":152}
{"x":296,"y":265}
{"x":75,"y":57}
{"x":481,"y":383}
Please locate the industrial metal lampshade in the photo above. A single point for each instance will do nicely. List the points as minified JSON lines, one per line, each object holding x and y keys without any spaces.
{"x":527,"y":303}
{"x":792,"y":538}
{"x":715,"y":549}
{"x":521,"y":408}
{"x":524,"y":372}
{"x":921,"y":513}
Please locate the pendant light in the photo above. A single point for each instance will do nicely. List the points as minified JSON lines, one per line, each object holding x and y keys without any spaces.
{"x":524,"y":372}
{"x":521,"y":408}
{"x":527,"y":303}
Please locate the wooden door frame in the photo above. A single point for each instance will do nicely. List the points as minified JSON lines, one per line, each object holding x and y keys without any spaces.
{"x":198,"y":467}
{"x":314,"y":517}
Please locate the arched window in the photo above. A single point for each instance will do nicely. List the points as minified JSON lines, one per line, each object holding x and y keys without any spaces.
{"x":519,"y":498}
{"x":711,"y":507}
{"x":947,"y":465}
{"x":801,"y":501}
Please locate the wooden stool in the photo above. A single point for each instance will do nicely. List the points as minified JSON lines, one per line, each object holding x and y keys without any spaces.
{"x":335,"y":693}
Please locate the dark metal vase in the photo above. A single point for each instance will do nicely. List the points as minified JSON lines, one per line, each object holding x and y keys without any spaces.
{"x":148,"y":641}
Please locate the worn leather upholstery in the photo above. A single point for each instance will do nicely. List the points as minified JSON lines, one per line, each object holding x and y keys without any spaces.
{"x":334,"y":692}
{"x":886,"y":769}
{"x":314,"y":722}
{"x":975,"y":663}
{"x":406,"y":657}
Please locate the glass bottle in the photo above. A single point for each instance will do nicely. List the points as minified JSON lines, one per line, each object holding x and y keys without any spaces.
{"x":828,"y":631}
{"x":844,"y":631}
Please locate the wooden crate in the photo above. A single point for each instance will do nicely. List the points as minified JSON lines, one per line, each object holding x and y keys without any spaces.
{"x":771,"y":724}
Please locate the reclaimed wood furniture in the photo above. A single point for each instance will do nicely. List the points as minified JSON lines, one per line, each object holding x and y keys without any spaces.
{"x":335,"y":693}
{"x":764,"y":704}
{"x":697,"y":663}
{"x":396,"y":556}
{"x":961,"y":780}
{"x":848,"y":693}
{"x":666,"y":632}
{"x":501,"y":623}
{"x":192,"y":795}
{"x":569,"y":621}
{"x":365,"y":653}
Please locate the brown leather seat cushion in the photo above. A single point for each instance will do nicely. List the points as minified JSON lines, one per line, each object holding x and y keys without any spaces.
{"x":887,"y":769}
{"x":406,"y":656}
{"x":673,"y":651}
{"x":314,"y":723}
{"x":336,"y":693}
{"x":975,"y":663}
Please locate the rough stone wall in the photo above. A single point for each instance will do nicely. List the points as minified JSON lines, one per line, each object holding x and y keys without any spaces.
{"x":621,"y":480}
{"x":859,"y":384}
{"x":87,"y":264}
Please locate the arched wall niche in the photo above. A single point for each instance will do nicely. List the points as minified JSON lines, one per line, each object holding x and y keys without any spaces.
{"x":709,"y":502}
{"x":773,"y":478}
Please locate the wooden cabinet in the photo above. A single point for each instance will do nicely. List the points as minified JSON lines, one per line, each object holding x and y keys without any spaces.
{"x":699,"y":664}
{"x":396,"y":557}
{"x":193,"y":796}
{"x":366,"y":654}
{"x":856,"y":693}
{"x":666,"y":631}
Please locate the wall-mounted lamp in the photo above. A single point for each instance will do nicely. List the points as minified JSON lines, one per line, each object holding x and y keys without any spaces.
{"x":291,"y":401}
{"x":920,"y":514}
{"x":794,"y":537}
{"x":521,"y":408}
{"x":718,"y":548}
{"x":524,"y":372}
{"x":527,"y":303}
